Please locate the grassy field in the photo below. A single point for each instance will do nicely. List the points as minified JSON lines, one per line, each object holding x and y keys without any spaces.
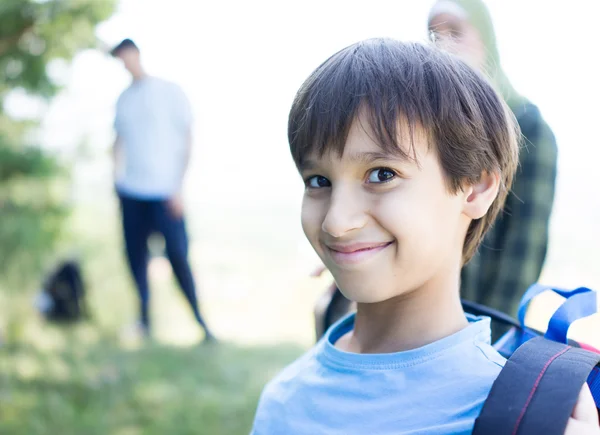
{"x":98,"y":387}
{"x":94,"y":379}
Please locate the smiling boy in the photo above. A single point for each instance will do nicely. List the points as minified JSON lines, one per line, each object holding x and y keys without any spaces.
{"x":407,"y":155}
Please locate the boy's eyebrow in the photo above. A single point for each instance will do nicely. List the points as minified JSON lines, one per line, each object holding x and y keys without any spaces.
{"x":363,"y":157}
{"x":369,"y":157}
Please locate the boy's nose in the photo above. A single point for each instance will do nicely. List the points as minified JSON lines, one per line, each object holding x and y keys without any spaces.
{"x":345,"y":213}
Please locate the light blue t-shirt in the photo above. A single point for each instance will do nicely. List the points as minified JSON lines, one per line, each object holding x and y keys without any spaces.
{"x":153,"y":120}
{"x":437,"y":389}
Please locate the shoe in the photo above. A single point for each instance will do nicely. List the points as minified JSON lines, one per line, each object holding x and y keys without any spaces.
{"x":135,"y":334}
{"x":210,"y":339}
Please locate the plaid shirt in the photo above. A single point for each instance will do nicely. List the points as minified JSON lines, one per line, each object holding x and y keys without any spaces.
{"x":512,"y":254}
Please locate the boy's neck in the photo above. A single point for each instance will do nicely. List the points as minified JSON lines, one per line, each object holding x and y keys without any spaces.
{"x":407,"y":321}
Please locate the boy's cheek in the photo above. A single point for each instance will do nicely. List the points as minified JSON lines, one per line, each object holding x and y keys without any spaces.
{"x":311,"y":228}
{"x":312,"y":217}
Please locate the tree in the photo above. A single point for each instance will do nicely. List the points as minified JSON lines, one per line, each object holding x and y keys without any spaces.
{"x":34,"y":33}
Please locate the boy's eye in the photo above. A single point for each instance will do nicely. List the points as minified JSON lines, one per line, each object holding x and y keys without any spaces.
{"x":317,"y":181}
{"x":381,"y":175}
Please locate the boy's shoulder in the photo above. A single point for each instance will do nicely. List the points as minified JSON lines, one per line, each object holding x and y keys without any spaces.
{"x":284,"y":393}
{"x":286,"y":382}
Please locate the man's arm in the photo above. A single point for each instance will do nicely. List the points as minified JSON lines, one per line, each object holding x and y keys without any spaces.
{"x":188,"y":120}
{"x":175,"y":203}
{"x":187,"y":157}
{"x":116,"y":155}
{"x":184,"y":111}
{"x":117,"y":148}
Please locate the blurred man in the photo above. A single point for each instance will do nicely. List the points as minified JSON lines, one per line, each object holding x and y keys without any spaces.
{"x":151,"y":152}
{"x":512,"y":255}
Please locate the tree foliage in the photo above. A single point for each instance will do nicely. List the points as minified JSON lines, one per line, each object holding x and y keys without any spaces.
{"x":34,"y":33}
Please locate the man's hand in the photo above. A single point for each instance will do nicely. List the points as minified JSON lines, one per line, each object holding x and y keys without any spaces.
{"x":584,"y":420}
{"x":175,"y":204}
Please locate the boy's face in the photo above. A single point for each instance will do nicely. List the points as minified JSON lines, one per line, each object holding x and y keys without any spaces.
{"x":384,"y":226}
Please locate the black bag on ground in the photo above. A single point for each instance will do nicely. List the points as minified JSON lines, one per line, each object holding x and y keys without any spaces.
{"x":63,"y":294}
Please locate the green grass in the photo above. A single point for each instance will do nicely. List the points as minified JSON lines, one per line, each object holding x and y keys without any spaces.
{"x":88,"y":379}
{"x":101,"y":388}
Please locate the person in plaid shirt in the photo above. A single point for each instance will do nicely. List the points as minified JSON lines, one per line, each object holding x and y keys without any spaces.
{"x":512,"y":254}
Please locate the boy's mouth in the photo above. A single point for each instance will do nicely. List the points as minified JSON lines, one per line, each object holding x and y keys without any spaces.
{"x":353,"y":253}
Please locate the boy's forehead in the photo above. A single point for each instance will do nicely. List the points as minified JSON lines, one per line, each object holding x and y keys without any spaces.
{"x":362,"y":146}
{"x":363,"y":131}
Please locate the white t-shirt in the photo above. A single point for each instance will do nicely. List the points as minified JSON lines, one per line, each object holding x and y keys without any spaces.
{"x":153,"y":120}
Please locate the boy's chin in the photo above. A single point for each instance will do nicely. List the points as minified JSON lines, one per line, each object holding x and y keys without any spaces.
{"x":363,"y":295}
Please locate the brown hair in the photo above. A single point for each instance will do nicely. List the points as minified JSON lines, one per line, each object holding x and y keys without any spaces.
{"x":468,"y":122}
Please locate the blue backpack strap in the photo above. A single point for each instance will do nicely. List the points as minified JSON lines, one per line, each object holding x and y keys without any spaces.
{"x":536,"y":390}
{"x":483,"y":310}
{"x":575,"y":307}
{"x":538,"y":289}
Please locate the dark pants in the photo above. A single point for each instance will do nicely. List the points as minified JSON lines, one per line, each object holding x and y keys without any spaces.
{"x":140,"y":219}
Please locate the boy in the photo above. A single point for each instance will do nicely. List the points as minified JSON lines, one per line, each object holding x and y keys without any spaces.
{"x":407,"y":155}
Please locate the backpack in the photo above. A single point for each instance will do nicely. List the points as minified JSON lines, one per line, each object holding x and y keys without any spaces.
{"x":538,"y":387}
{"x":62,"y":298}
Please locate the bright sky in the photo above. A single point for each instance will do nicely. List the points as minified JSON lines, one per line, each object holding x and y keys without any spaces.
{"x":242,"y":62}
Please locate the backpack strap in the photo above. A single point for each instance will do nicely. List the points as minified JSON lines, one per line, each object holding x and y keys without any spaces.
{"x":483,"y":310}
{"x":536,"y":390}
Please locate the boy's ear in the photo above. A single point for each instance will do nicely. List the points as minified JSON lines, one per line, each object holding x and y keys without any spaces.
{"x":479,"y":196}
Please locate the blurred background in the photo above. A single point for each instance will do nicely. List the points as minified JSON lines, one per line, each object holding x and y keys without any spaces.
{"x":240,"y":64}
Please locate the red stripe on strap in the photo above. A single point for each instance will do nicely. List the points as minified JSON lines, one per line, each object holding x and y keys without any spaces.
{"x":537,"y":383}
